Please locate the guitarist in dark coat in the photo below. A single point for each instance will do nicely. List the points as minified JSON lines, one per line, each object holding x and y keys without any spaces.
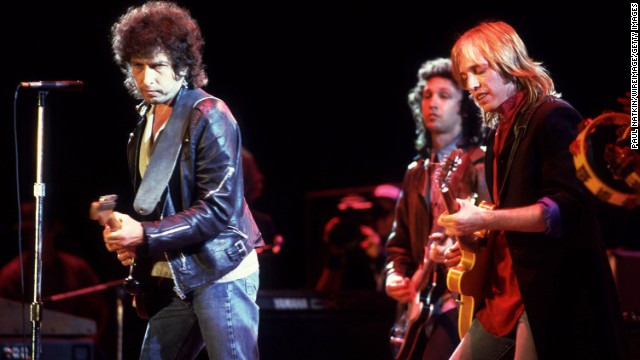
{"x":550,"y":292}
{"x":194,"y":239}
{"x":445,"y":120}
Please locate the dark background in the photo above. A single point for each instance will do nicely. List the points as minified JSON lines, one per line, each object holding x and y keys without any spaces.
{"x":319,"y":93}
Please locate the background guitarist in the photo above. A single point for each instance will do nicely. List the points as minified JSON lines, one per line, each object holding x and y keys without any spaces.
{"x":445,"y":120}
{"x":550,"y":293}
{"x":196,"y":243}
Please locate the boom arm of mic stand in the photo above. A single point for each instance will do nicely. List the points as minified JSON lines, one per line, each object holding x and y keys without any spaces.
{"x":83,"y":291}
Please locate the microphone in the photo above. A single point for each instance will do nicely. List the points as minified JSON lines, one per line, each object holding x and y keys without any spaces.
{"x":71,"y":85}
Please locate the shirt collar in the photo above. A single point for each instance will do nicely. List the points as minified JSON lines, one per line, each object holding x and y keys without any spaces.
{"x":508,"y":109}
{"x":447,"y":149}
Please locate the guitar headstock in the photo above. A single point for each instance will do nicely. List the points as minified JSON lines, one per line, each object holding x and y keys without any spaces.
{"x":443,"y":177}
{"x":102,"y":211}
{"x":447,"y":168}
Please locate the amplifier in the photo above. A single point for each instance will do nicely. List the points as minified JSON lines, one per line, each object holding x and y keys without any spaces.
{"x":15,"y":319}
{"x":319,"y":301}
{"x":52,"y":349}
{"x":325,"y":325}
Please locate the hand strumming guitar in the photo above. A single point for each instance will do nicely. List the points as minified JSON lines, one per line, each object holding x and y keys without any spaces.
{"x":400,"y":288}
{"x":452,"y":256}
{"x":467,"y":220}
{"x":124,"y":240}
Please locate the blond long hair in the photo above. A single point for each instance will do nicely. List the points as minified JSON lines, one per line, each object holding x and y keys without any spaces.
{"x":499,"y":44}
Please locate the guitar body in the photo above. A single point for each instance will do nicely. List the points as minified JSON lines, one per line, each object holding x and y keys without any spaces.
{"x":468,"y":279}
{"x":408,"y":338}
{"x":408,"y":335}
{"x":139,"y":302}
{"x":154,"y":293}
{"x":140,"y":298}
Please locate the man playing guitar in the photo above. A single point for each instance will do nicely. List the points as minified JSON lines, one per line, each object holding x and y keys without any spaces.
{"x":550,"y":293}
{"x":193,"y":238}
{"x":445,"y":121}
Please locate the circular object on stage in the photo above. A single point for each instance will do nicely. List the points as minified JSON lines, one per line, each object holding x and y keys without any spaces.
{"x":623,"y":162}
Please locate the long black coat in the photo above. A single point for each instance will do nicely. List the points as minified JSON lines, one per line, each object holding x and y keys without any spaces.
{"x":566,"y":282}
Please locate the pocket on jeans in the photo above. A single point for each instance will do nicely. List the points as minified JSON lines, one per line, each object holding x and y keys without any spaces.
{"x":251,"y":285}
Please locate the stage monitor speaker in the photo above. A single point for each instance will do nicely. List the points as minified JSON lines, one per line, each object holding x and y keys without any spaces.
{"x":16,"y":321}
{"x":299,"y":324}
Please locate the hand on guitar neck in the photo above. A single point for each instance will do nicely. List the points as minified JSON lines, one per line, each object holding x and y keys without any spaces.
{"x":102,"y":211}
{"x":122,"y":233}
{"x":440,"y":243}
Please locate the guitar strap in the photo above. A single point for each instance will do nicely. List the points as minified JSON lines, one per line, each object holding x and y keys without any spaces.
{"x":165,"y":152}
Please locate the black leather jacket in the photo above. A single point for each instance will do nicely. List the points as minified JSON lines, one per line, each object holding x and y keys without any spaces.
{"x":202,"y":225}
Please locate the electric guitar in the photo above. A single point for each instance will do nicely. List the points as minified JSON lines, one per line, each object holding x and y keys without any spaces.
{"x":406,"y":339}
{"x":406,"y":334}
{"x":468,"y":277}
{"x":102,"y":211}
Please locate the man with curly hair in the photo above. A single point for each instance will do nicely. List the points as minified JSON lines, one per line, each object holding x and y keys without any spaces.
{"x":445,"y":121}
{"x":192,"y":249}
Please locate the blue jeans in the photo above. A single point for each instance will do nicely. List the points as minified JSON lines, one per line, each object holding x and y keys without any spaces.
{"x":221,"y":316}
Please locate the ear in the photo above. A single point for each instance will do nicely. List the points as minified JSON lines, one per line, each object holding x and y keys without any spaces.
{"x":182,"y":74}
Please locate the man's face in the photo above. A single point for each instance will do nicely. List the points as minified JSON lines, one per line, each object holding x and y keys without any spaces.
{"x":441,"y":100}
{"x":488,"y":88}
{"x":155,"y":78}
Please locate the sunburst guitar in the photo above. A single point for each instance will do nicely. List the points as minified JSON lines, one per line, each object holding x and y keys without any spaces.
{"x":467,"y":279}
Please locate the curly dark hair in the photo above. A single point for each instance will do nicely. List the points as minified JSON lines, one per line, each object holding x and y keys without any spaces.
{"x":471,"y":121}
{"x":159,"y":25}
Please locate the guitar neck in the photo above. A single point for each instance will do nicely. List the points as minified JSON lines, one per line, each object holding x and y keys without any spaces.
{"x":102,"y":211}
{"x":449,"y":200}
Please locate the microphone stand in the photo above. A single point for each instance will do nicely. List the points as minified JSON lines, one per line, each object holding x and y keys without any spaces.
{"x":120,"y":293}
{"x":38,"y":193}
